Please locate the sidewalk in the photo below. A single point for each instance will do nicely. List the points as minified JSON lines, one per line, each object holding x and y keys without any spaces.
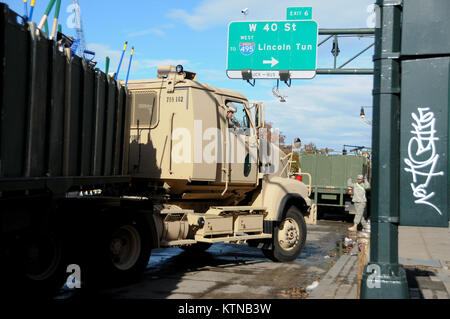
{"x":424,"y":252}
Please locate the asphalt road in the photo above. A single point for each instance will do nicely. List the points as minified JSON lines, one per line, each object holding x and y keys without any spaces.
{"x":232,"y":271}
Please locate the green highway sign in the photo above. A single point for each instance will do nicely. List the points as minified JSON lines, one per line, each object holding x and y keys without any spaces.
{"x":265,"y":48}
{"x":299,"y":13}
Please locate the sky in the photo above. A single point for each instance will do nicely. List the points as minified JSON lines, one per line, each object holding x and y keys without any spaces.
{"x":324,"y":110}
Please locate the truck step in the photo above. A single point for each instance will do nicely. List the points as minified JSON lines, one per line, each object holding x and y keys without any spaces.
{"x":231,"y":239}
{"x":223,"y":210}
{"x":173,"y":243}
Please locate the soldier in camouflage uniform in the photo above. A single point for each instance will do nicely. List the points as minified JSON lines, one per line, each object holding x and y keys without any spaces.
{"x":360,"y":200}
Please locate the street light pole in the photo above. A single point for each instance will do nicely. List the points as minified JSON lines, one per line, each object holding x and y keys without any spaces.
{"x":383,"y":277}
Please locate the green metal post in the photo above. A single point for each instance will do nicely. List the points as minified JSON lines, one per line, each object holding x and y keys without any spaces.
{"x":358,"y":31}
{"x":107,"y":65}
{"x":44,"y":17}
{"x":55,"y":20}
{"x":50,"y":5}
{"x":336,"y":52}
{"x":383,"y":277}
{"x":345,"y":71}
{"x":57,"y":9}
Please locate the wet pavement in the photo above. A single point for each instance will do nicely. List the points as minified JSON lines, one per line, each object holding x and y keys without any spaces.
{"x":233,"y":271}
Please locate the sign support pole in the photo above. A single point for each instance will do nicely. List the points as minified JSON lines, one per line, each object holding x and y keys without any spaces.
{"x":383,"y":277}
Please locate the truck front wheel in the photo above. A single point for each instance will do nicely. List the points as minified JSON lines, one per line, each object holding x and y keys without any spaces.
{"x":289,"y":237}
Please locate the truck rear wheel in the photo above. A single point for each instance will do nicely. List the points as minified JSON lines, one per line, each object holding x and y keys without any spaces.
{"x":39,"y":270}
{"x":126,"y":247}
{"x":129,"y":248}
{"x":122,"y":253}
{"x":289,"y":237}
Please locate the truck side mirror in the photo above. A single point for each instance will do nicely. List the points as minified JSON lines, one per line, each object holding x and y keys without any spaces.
{"x":259,"y":115}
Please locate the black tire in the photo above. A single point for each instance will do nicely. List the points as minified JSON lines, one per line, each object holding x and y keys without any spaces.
{"x":120,"y":253}
{"x":196,"y":248}
{"x":268,"y":253}
{"x":290,"y":249}
{"x":39,"y":269}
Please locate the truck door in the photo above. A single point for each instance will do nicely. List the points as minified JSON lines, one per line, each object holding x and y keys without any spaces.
{"x":242,"y":152}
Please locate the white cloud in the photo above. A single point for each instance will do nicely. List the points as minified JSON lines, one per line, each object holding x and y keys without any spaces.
{"x":152,"y":63}
{"x":139,"y":67}
{"x":102,"y":51}
{"x":329,"y":13}
{"x":324,"y":111}
{"x":155,"y":31}
{"x":210,"y":75}
{"x":147,"y":68}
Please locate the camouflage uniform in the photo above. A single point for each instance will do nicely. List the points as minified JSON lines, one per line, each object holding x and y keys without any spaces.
{"x":360,"y":200}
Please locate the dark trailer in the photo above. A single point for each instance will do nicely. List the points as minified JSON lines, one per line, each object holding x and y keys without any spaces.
{"x":63,"y":158}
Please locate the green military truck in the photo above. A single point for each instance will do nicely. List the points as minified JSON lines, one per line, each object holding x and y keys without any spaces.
{"x":328,"y":176}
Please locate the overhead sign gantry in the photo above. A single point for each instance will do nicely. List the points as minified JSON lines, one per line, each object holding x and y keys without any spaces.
{"x":285,"y":49}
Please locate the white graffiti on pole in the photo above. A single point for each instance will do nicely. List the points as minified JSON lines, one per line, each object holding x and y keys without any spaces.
{"x":423,"y":163}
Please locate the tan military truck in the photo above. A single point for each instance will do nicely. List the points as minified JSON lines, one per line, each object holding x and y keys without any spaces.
{"x":217,"y":188}
{"x":198,"y":170}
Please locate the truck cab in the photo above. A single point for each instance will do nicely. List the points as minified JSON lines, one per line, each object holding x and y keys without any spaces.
{"x":178,"y":134}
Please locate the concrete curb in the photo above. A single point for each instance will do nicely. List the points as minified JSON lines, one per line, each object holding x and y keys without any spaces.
{"x":331,"y":275}
{"x":420,"y":262}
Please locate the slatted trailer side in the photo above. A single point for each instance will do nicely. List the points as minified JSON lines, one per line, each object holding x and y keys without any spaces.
{"x":63,"y":123}
{"x":64,"y":131}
